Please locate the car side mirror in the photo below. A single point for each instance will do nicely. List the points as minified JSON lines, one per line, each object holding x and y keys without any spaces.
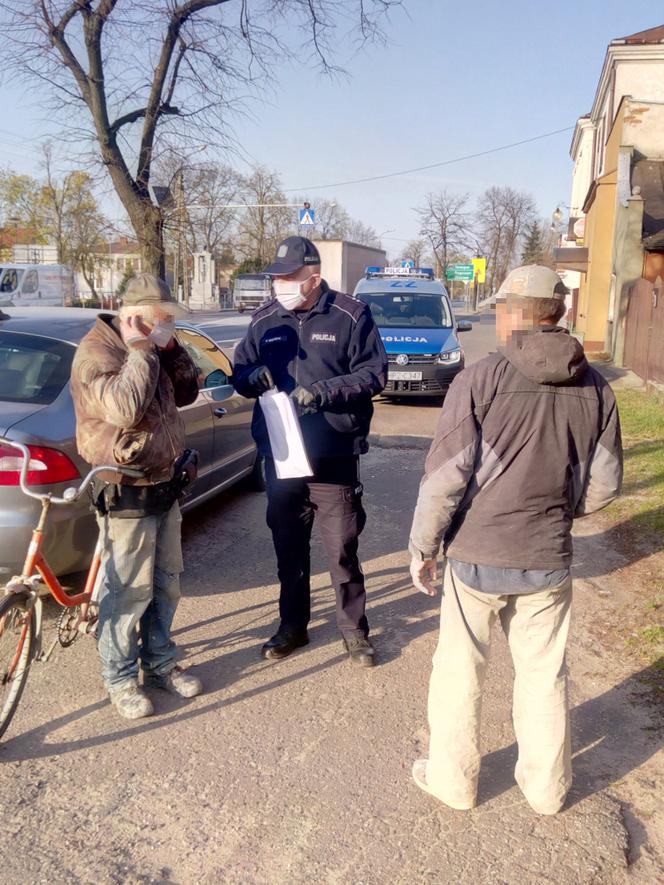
{"x":216,"y":378}
{"x":464,"y":326}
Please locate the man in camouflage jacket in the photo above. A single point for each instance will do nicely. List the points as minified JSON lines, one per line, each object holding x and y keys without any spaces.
{"x":129,"y":377}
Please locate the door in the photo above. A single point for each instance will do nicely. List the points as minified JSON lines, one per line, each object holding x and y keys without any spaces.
{"x":234,"y":450}
{"x":644,"y":331}
{"x":199,"y":427}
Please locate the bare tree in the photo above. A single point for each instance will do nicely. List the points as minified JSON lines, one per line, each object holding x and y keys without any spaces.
{"x":210,"y":190}
{"x":261,"y":227}
{"x":415,"y":251}
{"x":502,"y":218}
{"x":444,"y":224}
{"x":332,"y":220}
{"x":137,"y":73}
{"x":72,"y":218}
{"x":364,"y":234}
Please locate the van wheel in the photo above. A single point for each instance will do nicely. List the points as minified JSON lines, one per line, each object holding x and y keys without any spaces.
{"x":255,"y":482}
{"x":240,"y":309}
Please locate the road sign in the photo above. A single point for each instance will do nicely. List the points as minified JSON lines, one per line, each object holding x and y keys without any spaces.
{"x":307,"y":217}
{"x":480,"y":269}
{"x":408,"y":262}
{"x":465,"y":272}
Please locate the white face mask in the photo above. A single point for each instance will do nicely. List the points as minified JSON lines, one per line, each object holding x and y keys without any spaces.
{"x":289,"y":293}
{"x":162,"y":332}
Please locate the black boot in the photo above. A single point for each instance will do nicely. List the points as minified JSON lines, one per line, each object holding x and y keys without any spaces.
{"x":284,"y":642}
{"x":360,"y":650}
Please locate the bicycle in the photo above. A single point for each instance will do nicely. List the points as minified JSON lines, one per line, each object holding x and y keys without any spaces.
{"x":21,"y":606}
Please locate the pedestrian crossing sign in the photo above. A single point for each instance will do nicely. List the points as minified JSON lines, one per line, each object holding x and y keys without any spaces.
{"x":307,"y":217}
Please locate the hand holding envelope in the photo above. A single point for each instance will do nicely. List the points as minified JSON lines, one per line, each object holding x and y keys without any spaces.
{"x":283,"y":428}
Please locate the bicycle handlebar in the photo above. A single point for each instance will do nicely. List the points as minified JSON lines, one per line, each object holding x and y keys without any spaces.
{"x":72,"y":494}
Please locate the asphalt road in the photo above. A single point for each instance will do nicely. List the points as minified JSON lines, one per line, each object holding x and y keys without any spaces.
{"x":299,"y":771}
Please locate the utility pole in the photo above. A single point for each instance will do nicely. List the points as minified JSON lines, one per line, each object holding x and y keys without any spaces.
{"x":183,"y":264}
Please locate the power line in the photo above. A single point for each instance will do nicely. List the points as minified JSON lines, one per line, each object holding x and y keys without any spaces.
{"x":495,"y":150}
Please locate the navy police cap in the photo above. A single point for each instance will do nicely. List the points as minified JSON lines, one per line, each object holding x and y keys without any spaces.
{"x":292,"y":254}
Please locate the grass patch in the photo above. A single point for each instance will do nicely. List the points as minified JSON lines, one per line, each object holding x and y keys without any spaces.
{"x":639,"y":518}
{"x":642,"y":500}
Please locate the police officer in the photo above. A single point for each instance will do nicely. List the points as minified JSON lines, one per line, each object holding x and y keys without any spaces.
{"x":322,"y":348}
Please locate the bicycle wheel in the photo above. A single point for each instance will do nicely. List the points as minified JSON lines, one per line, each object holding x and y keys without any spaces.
{"x":16,"y":640}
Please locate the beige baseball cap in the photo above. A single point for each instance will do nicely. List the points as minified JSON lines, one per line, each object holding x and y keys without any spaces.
{"x":146,"y":290}
{"x":533,"y":281}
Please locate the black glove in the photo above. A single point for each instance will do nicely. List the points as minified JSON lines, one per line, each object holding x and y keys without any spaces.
{"x":260,"y":380}
{"x":307,"y":400}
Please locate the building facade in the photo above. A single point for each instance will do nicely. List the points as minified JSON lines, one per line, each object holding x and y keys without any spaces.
{"x":616,"y":205}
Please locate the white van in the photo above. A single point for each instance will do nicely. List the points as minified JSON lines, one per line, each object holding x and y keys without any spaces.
{"x":46,"y":285}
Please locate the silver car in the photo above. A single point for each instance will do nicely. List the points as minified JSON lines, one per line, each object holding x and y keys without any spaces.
{"x":37,"y":346}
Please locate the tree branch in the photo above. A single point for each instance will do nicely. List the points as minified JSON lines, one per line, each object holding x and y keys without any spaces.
{"x":133,"y":116}
{"x":178,"y":18}
{"x":57,"y":37}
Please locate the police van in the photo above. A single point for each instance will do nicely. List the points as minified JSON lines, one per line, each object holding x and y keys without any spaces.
{"x":414,"y":316}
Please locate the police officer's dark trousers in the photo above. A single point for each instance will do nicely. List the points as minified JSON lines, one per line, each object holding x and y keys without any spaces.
{"x":334,"y":496}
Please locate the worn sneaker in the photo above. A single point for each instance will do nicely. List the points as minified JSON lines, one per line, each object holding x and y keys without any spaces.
{"x":360,"y":650}
{"x":177,"y":681}
{"x":131,"y":702}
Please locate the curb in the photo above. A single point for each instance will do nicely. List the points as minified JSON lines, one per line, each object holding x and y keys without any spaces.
{"x":413,"y":443}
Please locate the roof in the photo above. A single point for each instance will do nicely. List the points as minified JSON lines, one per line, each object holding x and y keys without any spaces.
{"x":124,"y":246}
{"x":652,"y":35}
{"x":62,"y":323}
{"x":649,"y":176}
{"x":415,"y":287}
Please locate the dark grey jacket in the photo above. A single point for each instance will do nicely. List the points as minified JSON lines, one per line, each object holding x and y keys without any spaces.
{"x":335,"y":349}
{"x":528,"y":439}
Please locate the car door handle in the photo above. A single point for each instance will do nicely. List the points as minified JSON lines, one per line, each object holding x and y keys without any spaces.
{"x":219,"y":413}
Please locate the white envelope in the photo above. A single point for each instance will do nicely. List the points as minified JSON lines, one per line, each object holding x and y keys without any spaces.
{"x":283,"y":428}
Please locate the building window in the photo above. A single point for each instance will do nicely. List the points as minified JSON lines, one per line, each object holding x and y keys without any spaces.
{"x":121,"y":263}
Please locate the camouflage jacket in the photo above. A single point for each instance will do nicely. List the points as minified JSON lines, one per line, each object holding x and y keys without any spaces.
{"x":127,"y":399}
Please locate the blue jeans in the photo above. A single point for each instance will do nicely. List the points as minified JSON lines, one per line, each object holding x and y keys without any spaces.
{"x":140,"y":586}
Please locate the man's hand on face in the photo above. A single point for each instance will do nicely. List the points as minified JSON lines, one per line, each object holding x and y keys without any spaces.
{"x":424,"y":572}
{"x":306,"y":400}
{"x":261,"y":380}
{"x":135,"y":331}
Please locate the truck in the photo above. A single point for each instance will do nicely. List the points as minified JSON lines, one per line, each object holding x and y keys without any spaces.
{"x":343,"y":263}
{"x":250,"y":290}
{"x":45,"y":285}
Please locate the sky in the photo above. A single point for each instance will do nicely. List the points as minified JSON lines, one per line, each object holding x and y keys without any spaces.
{"x":453,"y":79}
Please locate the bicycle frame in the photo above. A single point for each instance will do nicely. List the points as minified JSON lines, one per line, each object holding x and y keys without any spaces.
{"x":35,"y":561}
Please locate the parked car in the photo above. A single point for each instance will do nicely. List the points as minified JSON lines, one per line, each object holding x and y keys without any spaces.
{"x":37,"y":347}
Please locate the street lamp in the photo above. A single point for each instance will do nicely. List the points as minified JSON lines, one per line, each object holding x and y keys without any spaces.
{"x":558,"y":215}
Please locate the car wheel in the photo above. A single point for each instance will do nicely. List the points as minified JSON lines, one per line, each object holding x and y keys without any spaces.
{"x":256,"y":479}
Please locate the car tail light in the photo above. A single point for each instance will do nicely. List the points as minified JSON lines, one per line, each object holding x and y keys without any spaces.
{"x":47,"y":466}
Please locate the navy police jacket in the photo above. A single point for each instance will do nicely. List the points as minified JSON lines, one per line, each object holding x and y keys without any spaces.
{"x":335,"y":350}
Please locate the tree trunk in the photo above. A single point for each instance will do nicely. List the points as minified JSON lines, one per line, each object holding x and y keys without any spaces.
{"x":149,"y":227}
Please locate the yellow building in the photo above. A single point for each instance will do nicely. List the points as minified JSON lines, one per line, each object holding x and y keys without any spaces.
{"x":616,"y":189}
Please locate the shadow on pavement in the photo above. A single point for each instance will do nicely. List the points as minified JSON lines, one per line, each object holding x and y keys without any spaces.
{"x":392,"y":624}
{"x":607,"y":744}
{"x":631,"y":540}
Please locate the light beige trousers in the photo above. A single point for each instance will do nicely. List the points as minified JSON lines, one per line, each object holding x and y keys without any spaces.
{"x":536,"y":627}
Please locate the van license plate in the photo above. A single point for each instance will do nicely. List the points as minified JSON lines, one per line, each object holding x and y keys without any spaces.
{"x":404,"y":376}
